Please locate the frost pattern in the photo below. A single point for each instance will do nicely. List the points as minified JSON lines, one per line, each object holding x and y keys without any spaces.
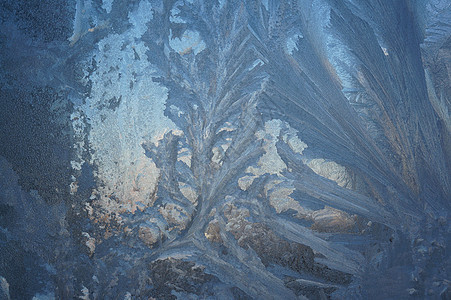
{"x":125,"y":109}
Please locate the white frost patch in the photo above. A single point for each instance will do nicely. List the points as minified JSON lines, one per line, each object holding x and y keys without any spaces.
{"x":217,"y":155}
{"x":330,"y":170}
{"x":221,"y":3}
{"x":245,"y":182}
{"x":78,"y":22}
{"x":188,"y":192}
{"x":332,"y":220}
{"x":85,"y":17}
{"x":125,"y":109}
{"x":342,"y":60}
{"x":291,"y":43}
{"x":174,"y":18}
{"x":185,"y":155}
{"x":75,"y":165}
{"x":90,"y":243}
{"x":270,"y":162}
{"x":278,"y":192}
{"x":190,"y":41}
{"x":227,"y":127}
{"x":85,"y":292}
{"x":107,"y":5}
{"x":295,"y":144}
{"x":140,"y":17}
{"x":79,"y":127}
{"x":128,"y":296}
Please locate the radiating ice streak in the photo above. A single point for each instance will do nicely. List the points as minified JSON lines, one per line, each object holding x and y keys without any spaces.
{"x":338,"y":256}
{"x":329,"y":192}
{"x":397,"y":84}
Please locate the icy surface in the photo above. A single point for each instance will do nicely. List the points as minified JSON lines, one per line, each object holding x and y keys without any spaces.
{"x":225,"y":149}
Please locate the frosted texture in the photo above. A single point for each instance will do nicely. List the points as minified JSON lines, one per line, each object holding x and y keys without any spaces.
{"x":225,"y":149}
